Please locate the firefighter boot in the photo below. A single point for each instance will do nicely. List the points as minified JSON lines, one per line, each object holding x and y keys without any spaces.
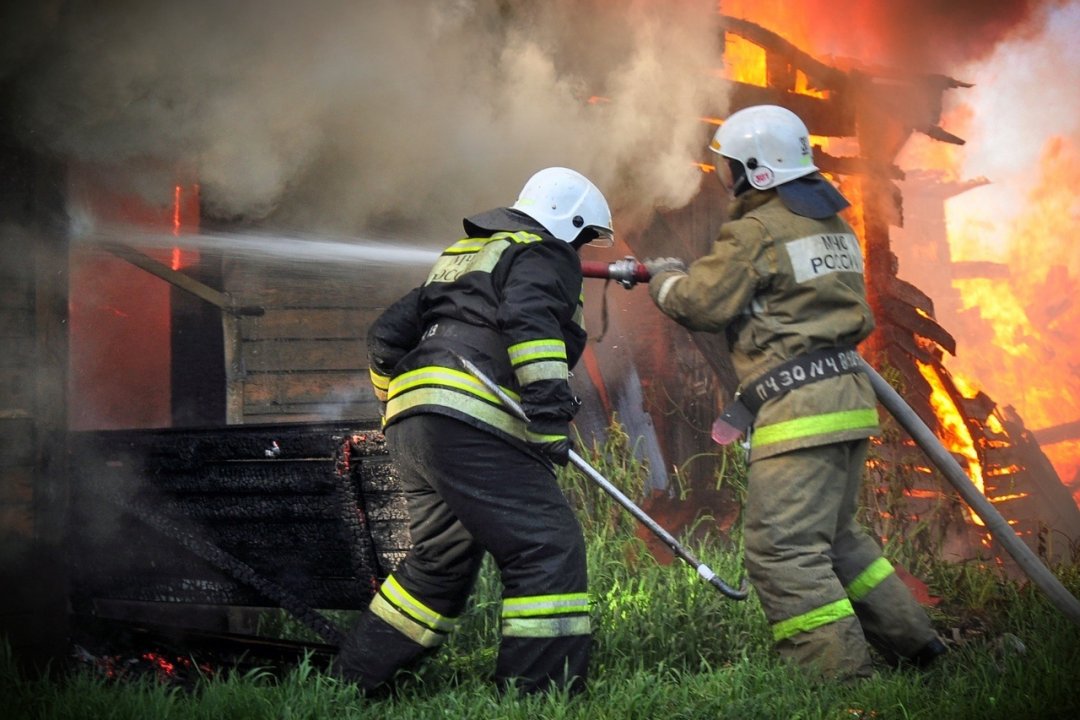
{"x":373,"y":652}
{"x":929,"y":653}
{"x":835,"y":651}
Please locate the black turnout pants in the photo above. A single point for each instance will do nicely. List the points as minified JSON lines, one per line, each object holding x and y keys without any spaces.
{"x":469,"y":492}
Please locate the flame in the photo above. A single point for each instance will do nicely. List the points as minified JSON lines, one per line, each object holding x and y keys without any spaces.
{"x":1019,"y":336}
{"x":1022,"y":335}
{"x":923,"y":494}
{"x":789,"y":20}
{"x":954,"y":434}
{"x":185,"y":217}
{"x":803,"y":86}
{"x":744,"y":61}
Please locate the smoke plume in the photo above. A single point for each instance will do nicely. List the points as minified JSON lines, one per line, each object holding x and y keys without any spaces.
{"x":339,"y":115}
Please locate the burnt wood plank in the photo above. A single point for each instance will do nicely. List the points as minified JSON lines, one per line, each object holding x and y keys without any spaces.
{"x":17,"y":487}
{"x":307,"y":323}
{"x":18,"y":352}
{"x":17,"y":389}
{"x":283,"y":355}
{"x":16,"y":323}
{"x":332,"y":387}
{"x":16,"y":442}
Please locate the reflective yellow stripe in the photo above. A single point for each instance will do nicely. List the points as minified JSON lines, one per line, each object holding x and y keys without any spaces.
{"x":466,"y":245}
{"x":520,"y":237}
{"x":814,"y":619}
{"x":545,"y":605}
{"x":548,"y":370}
{"x":496,"y":417}
{"x":546,"y":616}
{"x":447,"y":377}
{"x":379,"y":384}
{"x":400,"y":597}
{"x":870,"y":578}
{"x":409,"y":616}
{"x":538,"y":439}
{"x":579,"y":317}
{"x":454,"y":389}
{"x":546,"y":349}
{"x":866,"y":419}
{"x":547,"y":627}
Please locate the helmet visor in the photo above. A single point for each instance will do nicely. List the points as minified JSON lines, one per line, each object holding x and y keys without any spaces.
{"x":604,"y":238}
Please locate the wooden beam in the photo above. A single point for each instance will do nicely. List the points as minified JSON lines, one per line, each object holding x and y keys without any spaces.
{"x":184,"y":282}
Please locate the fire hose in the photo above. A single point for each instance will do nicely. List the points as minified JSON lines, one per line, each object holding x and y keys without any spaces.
{"x":628,"y":272}
{"x":579,"y":462}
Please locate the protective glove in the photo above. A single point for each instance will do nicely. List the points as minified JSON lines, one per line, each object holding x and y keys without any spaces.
{"x":551,"y":438}
{"x":655,"y":266}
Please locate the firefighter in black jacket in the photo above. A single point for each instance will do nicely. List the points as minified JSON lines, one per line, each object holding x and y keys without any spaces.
{"x":508,"y":298}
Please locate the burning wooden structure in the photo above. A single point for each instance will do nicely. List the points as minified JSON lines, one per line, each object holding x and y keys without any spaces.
{"x":879,"y":112}
{"x":252,"y":354}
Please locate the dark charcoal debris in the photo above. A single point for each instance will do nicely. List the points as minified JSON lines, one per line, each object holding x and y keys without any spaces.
{"x":210,"y":517}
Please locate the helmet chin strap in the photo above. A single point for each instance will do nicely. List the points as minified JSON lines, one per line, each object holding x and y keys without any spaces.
{"x":740,"y":183}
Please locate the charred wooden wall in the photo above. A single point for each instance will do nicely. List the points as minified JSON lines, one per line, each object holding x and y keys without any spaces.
{"x":190,"y":527}
{"x":304,"y":359}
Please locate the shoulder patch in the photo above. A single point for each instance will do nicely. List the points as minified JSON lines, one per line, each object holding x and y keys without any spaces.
{"x":468,"y":255}
{"x":817,"y":255}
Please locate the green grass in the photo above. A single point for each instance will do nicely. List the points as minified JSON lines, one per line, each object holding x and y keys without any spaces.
{"x":668,"y":646}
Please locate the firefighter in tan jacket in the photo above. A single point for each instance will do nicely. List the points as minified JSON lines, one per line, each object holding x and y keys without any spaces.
{"x":785,"y":283}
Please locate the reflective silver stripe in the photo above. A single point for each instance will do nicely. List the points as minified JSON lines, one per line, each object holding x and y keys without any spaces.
{"x":539,"y":360}
{"x":549,"y":370}
{"x":435,"y":375}
{"x":545,"y":605}
{"x":546,"y":627}
{"x":546,"y":616}
{"x":579,"y":316}
{"x":533,"y":350}
{"x":495,"y":417}
{"x":452,"y":389}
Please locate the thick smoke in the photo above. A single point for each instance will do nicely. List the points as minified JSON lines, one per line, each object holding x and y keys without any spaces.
{"x":339,"y":115}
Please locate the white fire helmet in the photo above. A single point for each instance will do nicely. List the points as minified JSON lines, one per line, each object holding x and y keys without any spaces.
{"x":771,"y":142}
{"x":565,"y":202}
